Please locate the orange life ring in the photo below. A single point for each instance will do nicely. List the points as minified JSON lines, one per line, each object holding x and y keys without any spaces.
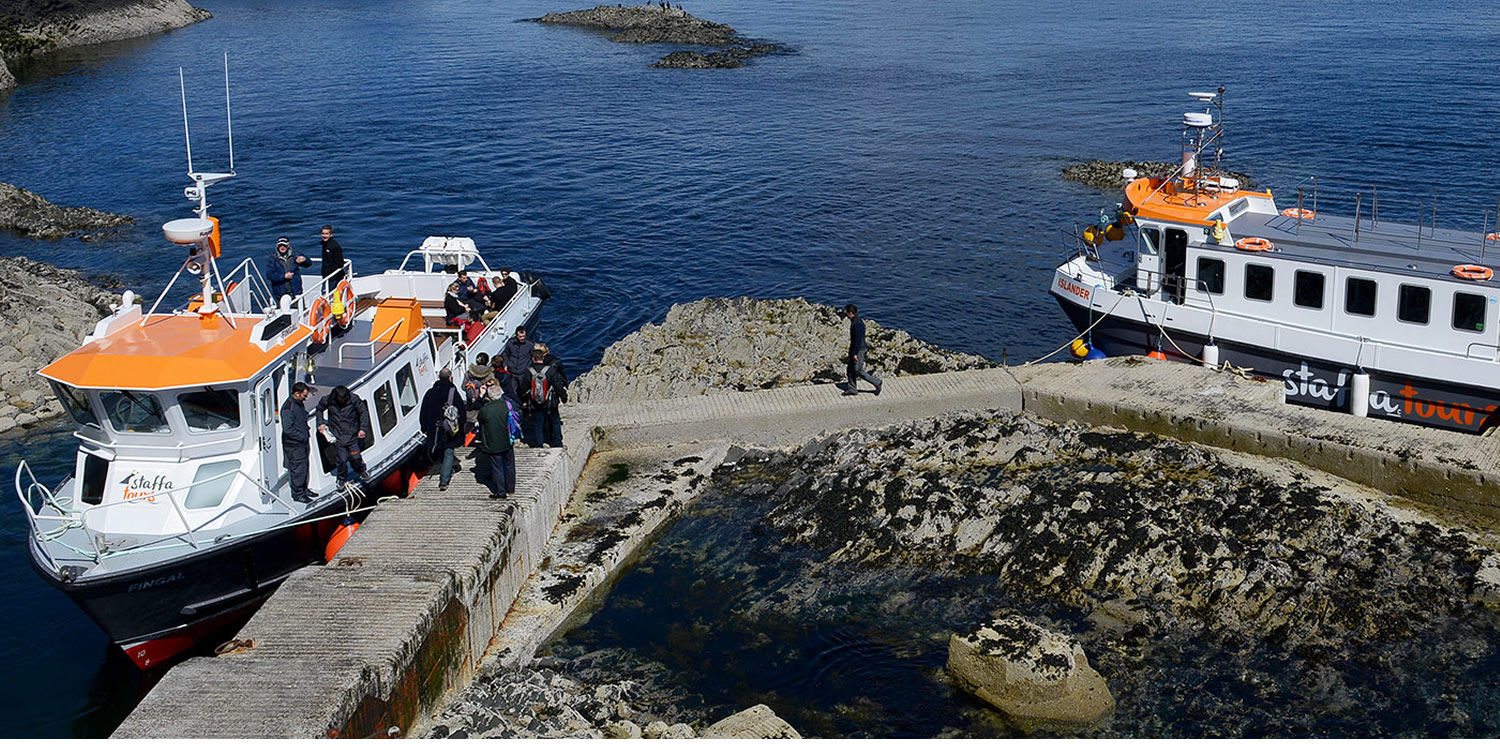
{"x":1493,"y":236}
{"x":1298,"y":213}
{"x":319,"y":318}
{"x":1473,"y":273}
{"x":345,"y":295}
{"x":1254,"y":244}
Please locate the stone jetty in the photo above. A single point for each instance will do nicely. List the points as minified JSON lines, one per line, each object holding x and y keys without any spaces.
{"x":665,"y":24}
{"x":32,"y":27}
{"x":31,"y":215}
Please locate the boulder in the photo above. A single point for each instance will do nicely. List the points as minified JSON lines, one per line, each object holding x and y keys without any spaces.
{"x":655,"y":730}
{"x":679,"y":732}
{"x":755,"y":723}
{"x":1039,"y":679}
{"x":622,"y":730}
{"x":7,"y":81}
{"x":31,"y":215}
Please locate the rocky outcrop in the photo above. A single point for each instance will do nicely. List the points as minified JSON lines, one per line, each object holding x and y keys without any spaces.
{"x":1109,"y":175}
{"x":31,"y":215}
{"x":663,"y":24}
{"x":720,"y":344}
{"x":29,"y":27}
{"x":47,"y":311}
{"x":7,"y":79}
{"x":755,"y":723}
{"x":1039,"y":679}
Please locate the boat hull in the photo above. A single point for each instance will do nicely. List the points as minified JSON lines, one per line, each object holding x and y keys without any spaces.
{"x":1307,"y":381}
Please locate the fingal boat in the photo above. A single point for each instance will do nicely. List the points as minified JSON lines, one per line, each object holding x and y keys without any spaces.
{"x":1381,"y":319}
{"x":178,"y":515}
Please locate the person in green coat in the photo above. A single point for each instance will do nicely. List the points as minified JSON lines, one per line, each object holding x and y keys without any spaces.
{"x":494,"y":442}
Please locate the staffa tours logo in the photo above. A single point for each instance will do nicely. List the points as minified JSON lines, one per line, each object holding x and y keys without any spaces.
{"x":138,"y":485}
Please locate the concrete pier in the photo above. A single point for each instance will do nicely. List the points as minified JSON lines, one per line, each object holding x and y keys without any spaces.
{"x":420,"y":595}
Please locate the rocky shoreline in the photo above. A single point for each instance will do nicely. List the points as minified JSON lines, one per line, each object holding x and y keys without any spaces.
{"x":666,"y":24}
{"x":32,"y":27}
{"x":743,"y":343}
{"x":31,"y":215}
{"x":1109,"y":175}
{"x":47,"y":311}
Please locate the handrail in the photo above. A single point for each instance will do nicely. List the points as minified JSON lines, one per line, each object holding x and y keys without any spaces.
{"x":426,"y":255}
{"x":371,"y":343}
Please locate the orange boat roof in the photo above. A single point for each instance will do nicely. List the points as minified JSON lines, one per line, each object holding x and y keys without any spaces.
{"x":170,"y":351}
{"x":1155,"y":198}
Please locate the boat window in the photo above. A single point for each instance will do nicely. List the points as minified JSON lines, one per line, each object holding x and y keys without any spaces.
{"x":76,"y":404}
{"x":1259,"y":281}
{"x":1413,"y":303}
{"x":210,"y":410}
{"x":95,"y":469}
{"x":1468,"y":311}
{"x":1211,"y":275}
{"x":406,"y":390}
{"x":1359,"y":297}
{"x":385,"y":409}
{"x":134,"y":412}
{"x":1307,"y":290}
{"x":1152,"y":236}
{"x":1238,"y":207}
{"x":216,"y":478}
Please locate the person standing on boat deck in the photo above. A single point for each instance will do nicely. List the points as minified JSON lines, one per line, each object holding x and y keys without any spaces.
{"x":454,"y":308}
{"x":333,"y":258}
{"x":545,"y":390}
{"x":344,"y":422}
{"x":441,"y":439}
{"x":495,"y":447}
{"x":281,"y":269}
{"x":294,"y":440}
{"x":517,"y":356}
{"x":857,"y":353}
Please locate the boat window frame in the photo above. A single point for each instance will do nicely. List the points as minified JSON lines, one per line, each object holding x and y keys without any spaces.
{"x":410,"y":388}
{"x":1270,"y":283}
{"x":1237,"y":207}
{"x":217,"y":479}
{"x":64,"y":392}
{"x":1297,"y":288}
{"x":1402,"y":292}
{"x":1483,"y":312}
{"x":386,"y":393}
{"x":1204,"y":277}
{"x":1349,"y":297}
{"x":234,"y":395}
{"x":139,"y":398}
{"x":1152,"y":237}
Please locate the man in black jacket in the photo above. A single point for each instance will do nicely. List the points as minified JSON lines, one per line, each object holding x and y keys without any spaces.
{"x":517,"y":357}
{"x":343,"y":421}
{"x":294,"y":441}
{"x":504,"y":291}
{"x":442,"y":437}
{"x":544,"y":389}
{"x":333,"y":258}
{"x":857,"y":353}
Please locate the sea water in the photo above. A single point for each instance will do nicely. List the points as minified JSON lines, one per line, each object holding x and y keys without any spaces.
{"x":903,"y":156}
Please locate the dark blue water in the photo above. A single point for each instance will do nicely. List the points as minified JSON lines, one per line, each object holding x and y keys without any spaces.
{"x":904,"y":158}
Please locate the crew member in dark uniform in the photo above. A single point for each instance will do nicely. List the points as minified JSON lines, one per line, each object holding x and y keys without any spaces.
{"x":294,"y":440}
{"x":344,"y":424}
{"x":333,"y":258}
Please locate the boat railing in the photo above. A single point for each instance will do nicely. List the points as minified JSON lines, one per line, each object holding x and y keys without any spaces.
{"x":372,"y":343}
{"x":427,"y":257}
{"x":255,"y":284}
{"x":50,"y":528}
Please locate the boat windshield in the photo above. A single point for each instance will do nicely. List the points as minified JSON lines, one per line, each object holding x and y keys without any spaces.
{"x":76,"y":404}
{"x":134,"y":412}
{"x":209,"y":410}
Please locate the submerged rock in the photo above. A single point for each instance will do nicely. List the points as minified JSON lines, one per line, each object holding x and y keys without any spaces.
{"x":740,"y":344}
{"x":1109,"y":175}
{"x":755,"y":723}
{"x":1037,"y":678}
{"x":31,"y":215}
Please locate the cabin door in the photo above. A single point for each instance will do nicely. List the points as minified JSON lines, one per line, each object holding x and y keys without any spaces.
{"x":1175,"y":274}
{"x":265,"y":407}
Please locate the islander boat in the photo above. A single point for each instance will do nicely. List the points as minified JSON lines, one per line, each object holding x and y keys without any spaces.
{"x":178,"y":515}
{"x":1388,"y":320}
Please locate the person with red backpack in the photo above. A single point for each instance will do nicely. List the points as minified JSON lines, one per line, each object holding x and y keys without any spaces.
{"x":544,"y":389}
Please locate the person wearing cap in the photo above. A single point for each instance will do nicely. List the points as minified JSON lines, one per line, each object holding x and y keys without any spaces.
{"x":281,"y":269}
{"x":295,"y":442}
{"x":440,"y":442}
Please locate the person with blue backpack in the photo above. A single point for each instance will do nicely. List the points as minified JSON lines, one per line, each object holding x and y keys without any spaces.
{"x":443,"y":419}
{"x":496,"y":446}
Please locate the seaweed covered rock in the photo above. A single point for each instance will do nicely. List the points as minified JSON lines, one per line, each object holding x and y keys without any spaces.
{"x":720,"y":344}
{"x":664,"y":24}
{"x":1109,"y":175}
{"x":31,"y":215}
{"x":1039,"y":679}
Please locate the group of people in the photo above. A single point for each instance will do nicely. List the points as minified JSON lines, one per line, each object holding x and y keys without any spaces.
{"x":468,"y":301}
{"x":514,"y":397}
{"x":281,"y":268}
{"x":344,"y":423}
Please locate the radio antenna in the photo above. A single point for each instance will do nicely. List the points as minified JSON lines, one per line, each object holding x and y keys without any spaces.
{"x":185,"y":134}
{"x":228,"y":118}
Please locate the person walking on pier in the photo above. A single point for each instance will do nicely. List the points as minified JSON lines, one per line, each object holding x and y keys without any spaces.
{"x":344,"y":423}
{"x":517,"y":357}
{"x":495,"y":446}
{"x":333,"y":258}
{"x":545,"y":388}
{"x":444,"y":427}
{"x":294,"y":441}
{"x":857,"y":352}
